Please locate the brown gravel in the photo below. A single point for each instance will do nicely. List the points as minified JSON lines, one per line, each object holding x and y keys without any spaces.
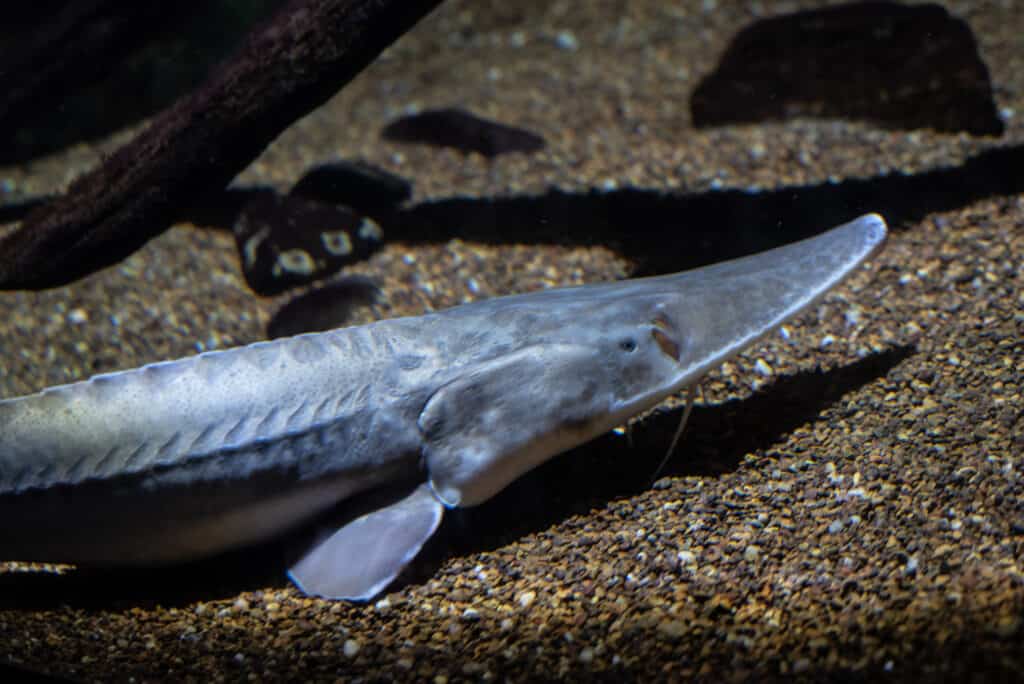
{"x":847,"y":502}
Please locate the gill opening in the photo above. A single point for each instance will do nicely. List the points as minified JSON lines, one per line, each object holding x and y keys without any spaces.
{"x":661,"y":332}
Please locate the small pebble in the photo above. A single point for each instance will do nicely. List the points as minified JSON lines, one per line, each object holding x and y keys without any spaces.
{"x":76,"y":316}
{"x":566,"y":40}
{"x":673,"y":629}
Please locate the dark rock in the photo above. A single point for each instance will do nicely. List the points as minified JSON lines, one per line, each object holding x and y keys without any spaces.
{"x":359,"y":185}
{"x":286,"y":241}
{"x":899,"y":65}
{"x":324,"y":308}
{"x":464,"y":131}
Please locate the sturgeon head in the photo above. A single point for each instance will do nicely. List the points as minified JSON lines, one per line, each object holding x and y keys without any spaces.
{"x":540,"y":373}
{"x":585,"y":359}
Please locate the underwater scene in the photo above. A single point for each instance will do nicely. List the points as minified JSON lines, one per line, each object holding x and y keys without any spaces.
{"x":410,"y":340}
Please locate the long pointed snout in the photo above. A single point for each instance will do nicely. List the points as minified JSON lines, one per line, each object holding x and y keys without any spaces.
{"x":725,"y":307}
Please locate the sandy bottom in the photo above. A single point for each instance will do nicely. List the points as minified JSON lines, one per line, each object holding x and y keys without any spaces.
{"x":847,"y":502}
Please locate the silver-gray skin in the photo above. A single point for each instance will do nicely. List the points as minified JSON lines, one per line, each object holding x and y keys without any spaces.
{"x":183,"y":459}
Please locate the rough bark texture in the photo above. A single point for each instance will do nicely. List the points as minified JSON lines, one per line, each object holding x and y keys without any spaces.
{"x":289,"y":66}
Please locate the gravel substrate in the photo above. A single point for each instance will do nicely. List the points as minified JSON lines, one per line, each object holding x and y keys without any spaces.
{"x":846,"y":504}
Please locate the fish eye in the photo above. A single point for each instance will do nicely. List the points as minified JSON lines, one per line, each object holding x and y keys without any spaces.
{"x":627,"y":344}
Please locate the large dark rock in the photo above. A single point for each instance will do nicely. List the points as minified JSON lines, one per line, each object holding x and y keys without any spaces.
{"x":903,"y":66}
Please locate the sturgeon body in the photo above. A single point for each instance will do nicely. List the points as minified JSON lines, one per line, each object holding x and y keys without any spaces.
{"x":183,"y":459}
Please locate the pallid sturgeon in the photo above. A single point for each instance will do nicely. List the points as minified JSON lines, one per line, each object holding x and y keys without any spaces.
{"x":183,"y":459}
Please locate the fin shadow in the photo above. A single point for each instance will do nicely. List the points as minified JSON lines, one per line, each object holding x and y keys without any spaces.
{"x":903,"y":67}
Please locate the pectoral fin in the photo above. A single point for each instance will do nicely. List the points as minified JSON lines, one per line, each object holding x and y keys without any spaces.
{"x":362,"y":558}
{"x":504,"y":417}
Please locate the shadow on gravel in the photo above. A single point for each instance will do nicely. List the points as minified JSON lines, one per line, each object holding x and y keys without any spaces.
{"x":587,"y":477}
